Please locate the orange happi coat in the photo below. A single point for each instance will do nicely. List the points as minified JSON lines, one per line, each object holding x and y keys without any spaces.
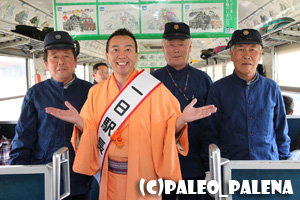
{"x":150,"y":148}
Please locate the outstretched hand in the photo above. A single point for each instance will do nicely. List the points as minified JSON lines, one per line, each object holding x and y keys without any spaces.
{"x":70,"y":115}
{"x":190,"y":113}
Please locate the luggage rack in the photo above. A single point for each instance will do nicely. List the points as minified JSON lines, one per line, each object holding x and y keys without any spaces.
{"x":283,"y":35}
{"x":12,"y":40}
{"x":280,"y":36}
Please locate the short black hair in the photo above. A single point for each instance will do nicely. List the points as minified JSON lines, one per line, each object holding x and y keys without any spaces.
{"x":95,"y":67}
{"x":289,"y":104}
{"x":121,"y":32}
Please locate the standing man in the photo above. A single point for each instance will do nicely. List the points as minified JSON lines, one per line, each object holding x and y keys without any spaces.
{"x":185,"y":83}
{"x":100,"y":72}
{"x":39,"y":135}
{"x":251,"y":122}
{"x":144,"y":142}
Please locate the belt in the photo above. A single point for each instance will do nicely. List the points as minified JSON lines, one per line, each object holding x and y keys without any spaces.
{"x":117,"y":166}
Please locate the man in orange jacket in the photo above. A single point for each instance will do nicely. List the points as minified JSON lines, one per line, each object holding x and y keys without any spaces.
{"x":146,"y":144}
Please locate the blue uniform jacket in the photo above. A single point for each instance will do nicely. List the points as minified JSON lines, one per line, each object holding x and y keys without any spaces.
{"x":199,"y":82}
{"x":39,"y":135}
{"x":250,"y":123}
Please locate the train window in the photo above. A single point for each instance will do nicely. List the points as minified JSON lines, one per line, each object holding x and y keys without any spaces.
{"x":79,"y":71}
{"x":10,"y":109}
{"x":13,"y":78}
{"x":229,"y":68}
{"x":288,"y":72}
{"x":209,"y":71}
{"x":13,"y":83}
{"x":218,"y":71}
{"x":288,"y":65}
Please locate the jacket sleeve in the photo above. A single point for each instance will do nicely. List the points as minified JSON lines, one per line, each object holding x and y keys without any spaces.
{"x":25,"y":134}
{"x":210,"y":132}
{"x":87,"y":158}
{"x":281,"y":129}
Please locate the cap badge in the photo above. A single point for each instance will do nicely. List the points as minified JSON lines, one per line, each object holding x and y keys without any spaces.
{"x":176,"y":26}
{"x":58,"y":36}
{"x":246,"y":32}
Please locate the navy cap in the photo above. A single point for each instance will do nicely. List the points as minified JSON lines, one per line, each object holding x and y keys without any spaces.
{"x":245,"y":36}
{"x":176,"y":30}
{"x":58,"y":40}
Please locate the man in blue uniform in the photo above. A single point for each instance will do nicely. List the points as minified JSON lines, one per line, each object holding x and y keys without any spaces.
{"x":250,"y":123}
{"x":185,"y":83}
{"x":39,"y":135}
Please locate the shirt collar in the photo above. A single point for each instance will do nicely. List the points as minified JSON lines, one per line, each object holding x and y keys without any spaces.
{"x":247,"y":82}
{"x":61,"y":84}
{"x":250,"y":82}
{"x":69,"y":83}
{"x":119,"y":85}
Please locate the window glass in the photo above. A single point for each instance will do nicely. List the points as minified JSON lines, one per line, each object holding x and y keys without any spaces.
{"x":79,"y":71}
{"x":12,"y":76}
{"x":296,"y":98}
{"x":209,"y":71}
{"x":218,"y":71}
{"x":10,"y":109}
{"x":288,"y":65}
{"x":229,"y":68}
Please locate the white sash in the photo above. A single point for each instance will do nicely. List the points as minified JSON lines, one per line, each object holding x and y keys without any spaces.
{"x":131,"y":96}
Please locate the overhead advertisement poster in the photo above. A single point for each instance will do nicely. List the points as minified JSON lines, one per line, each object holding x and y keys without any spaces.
{"x":204,"y":17}
{"x":154,"y":16}
{"x":18,"y":12}
{"x":113,"y":17}
{"x":96,"y":20}
{"x":77,"y":21}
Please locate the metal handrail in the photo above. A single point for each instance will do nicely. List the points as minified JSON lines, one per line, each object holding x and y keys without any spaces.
{"x":215,"y":167}
{"x":60,"y":159}
{"x":215,"y":163}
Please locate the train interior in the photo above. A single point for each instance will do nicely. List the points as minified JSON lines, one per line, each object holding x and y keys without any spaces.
{"x":22,"y":66}
{"x":278,"y":22}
